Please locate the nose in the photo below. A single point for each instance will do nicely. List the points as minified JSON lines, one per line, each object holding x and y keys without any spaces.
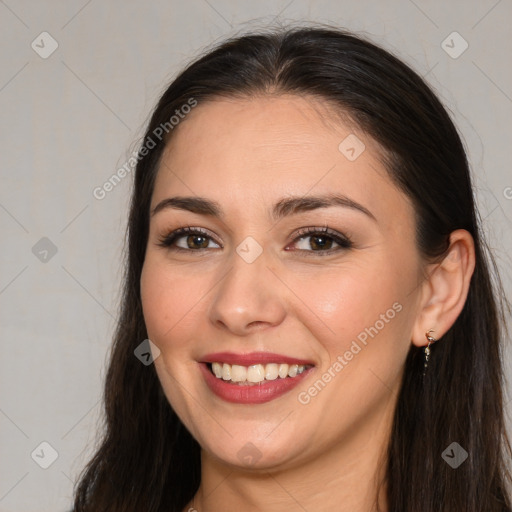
{"x":247,"y":298}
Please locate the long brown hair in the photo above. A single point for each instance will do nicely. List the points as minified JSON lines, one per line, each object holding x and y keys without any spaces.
{"x":147,"y":460}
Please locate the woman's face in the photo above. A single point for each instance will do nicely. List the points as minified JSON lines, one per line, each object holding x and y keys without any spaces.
{"x":299,"y":267}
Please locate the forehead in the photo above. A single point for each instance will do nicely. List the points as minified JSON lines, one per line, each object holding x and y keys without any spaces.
{"x":284,"y":126}
{"x":253,"y":150}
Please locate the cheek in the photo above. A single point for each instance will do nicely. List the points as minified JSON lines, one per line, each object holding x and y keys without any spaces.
{"x":169,"y":301}
{"x":362,"y":324}
{"x":361,"y":304}
{"x":349,"y":299}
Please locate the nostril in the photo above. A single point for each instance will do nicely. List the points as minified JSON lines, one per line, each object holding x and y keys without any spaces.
{"x":256,"y":323}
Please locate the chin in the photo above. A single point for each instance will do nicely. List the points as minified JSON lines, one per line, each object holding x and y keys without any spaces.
{"x":253,"y":453}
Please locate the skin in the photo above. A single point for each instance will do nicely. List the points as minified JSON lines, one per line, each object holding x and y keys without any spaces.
{"x":246,"y":154}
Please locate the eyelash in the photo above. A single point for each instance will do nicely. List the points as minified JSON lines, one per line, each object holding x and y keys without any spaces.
{"x":343,"y":241}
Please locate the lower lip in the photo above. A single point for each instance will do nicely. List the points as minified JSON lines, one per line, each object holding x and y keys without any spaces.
{"x":260,"y":393}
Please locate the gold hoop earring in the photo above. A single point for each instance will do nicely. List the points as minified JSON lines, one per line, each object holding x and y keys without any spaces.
{"x":430,"y":340}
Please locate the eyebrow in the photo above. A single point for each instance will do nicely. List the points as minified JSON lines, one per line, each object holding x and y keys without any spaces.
{"x":284,"y":207}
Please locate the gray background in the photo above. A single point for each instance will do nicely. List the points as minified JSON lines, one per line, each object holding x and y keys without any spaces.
{"x":71,"y":119}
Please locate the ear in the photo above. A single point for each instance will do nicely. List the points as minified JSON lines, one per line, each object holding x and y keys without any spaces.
{"x":445,"y":290}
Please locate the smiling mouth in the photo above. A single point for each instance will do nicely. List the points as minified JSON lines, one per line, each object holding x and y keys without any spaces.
{"x":257,"y":373}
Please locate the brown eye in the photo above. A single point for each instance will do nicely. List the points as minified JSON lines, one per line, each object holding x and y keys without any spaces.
{"x":321,"y":241}
{"x":188,"y":239}
{"x":196,"y":241}
{"x":315,"y":243}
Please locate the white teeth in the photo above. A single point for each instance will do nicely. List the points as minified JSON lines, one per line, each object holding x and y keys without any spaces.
{"x":238,"y":373}
{"x":271,"y":371}
{"x":283,"y":371}
{"x":292,"y":372}
{"x":226,"y":371}
{"x":217,"y":370}
{"x":256,"y":372}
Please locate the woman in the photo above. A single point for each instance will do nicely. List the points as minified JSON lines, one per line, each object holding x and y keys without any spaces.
{"x":305,"y":257}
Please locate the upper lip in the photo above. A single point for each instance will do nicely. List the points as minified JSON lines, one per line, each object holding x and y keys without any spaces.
{"x":252,"y":358}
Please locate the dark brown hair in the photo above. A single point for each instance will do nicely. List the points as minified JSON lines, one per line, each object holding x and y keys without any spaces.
{"x":147,"y":460}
